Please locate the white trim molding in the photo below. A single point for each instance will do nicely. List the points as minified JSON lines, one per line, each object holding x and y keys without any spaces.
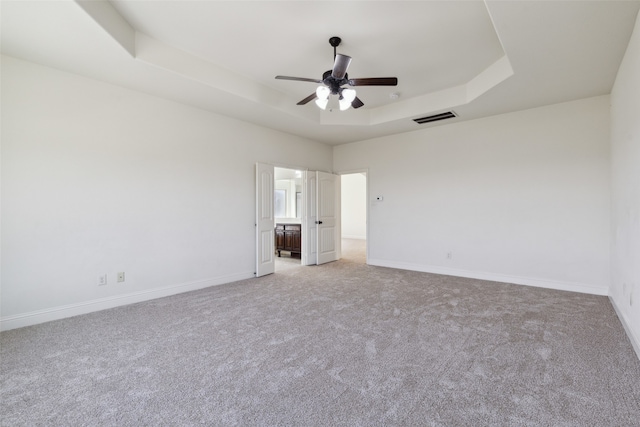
{"x":353,"y":236}
{"x":635,"y":340}
{"x":85,"y":307}
{"x":495,"y":277}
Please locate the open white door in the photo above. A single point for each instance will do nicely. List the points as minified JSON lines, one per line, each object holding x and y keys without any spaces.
{"x":265,"y":223}
{"x":328,"y":207}
{"x":309,"y":218}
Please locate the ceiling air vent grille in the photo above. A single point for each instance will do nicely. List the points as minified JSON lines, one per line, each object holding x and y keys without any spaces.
{"x":435,"y":117}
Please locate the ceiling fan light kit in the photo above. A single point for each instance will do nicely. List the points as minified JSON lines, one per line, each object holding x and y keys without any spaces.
{"x":333,"y":80}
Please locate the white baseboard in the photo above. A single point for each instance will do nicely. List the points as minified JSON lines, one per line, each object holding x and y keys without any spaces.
{"x":61,"y":312}
{"x":635,"y":340}
{"x":353,"y":236}
{"x":504,"y":278}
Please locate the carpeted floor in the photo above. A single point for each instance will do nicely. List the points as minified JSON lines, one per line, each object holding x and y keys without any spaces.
{"x":343,"y":344}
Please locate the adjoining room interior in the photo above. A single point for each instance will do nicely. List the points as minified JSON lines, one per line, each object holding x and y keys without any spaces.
{"x":353,"y":213}
{"x":288,"y":209}
{"x":481,"y":162}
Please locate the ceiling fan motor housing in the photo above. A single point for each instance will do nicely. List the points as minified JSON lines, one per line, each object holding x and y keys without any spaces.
{"x":333,"y":83}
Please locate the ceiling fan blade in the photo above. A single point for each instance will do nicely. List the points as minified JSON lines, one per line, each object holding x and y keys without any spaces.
{"x":357,"y":103}
{"x":299,"y":79}
{"x":308,"y":99}
{"x":340,"y":66}
{"x":374,"y":81}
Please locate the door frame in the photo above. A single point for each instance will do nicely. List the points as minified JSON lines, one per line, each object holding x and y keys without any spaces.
{"x":309,"y":228}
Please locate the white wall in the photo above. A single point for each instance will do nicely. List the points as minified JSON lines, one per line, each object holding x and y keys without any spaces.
{"x":100,"y":179}
{"x":354,"y":206}
{"x":521,"y":197}
{"x":625,"y":166}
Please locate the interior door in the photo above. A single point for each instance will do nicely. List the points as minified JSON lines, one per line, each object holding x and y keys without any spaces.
{"x":265,"y":223}
{"x":309,"y":218}
{"x":328,"y":220}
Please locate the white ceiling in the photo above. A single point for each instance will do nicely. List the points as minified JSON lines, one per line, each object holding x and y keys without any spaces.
{"x":474,"y":57}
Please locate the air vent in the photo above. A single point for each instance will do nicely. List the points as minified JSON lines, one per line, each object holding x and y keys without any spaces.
{"x":435,"y":117}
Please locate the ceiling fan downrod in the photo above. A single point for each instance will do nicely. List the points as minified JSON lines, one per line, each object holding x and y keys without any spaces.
{"x":335,"y":42}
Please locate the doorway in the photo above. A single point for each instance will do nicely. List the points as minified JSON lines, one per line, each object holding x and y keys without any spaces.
{"x":354,"y":216}
{"x":287,"y":204}
{"x":318,"y":239}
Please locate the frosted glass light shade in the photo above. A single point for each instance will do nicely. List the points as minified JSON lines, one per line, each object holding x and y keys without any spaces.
{"x":349,"y":94}
{"x":323,"y":92}
{"x":346,"y":98}
{"x":322,"y":103}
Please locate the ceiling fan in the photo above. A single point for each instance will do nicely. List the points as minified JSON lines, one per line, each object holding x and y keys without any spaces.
{"x":333,"y":80}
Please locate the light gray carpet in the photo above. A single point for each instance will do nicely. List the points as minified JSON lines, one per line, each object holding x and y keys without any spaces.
{"x":344,"y":344}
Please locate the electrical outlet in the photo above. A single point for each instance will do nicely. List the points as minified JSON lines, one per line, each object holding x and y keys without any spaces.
{"x":449,"y":255}
{"x":102,"y":280}
{"x":121,"y":276}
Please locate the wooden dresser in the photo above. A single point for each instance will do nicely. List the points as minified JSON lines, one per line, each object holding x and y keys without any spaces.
{"x":289,"y":238}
